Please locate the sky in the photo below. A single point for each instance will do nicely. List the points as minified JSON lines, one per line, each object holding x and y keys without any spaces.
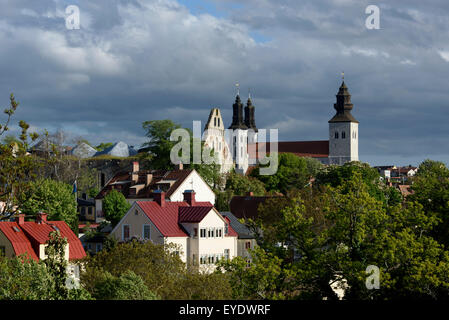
{"x":137,"y":60}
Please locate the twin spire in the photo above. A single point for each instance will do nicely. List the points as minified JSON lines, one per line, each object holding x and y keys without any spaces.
{"x":238,"y":122}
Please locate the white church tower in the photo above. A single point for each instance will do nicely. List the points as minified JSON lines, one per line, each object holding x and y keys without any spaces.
{"x":343,"y":130}
{"x":244,"y":132}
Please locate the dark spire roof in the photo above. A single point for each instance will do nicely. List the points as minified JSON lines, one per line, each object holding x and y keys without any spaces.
{"x":250,"y":120}
{"x":343,"y":106}
{"x":237,"y":116}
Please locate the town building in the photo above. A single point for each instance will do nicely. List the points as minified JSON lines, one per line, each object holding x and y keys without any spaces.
{"x":201,"y":234}
{"x":29,"y":238}
{"x":139,"y":185}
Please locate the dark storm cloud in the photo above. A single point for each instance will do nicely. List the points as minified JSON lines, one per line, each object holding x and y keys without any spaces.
{"x":140,"y":60}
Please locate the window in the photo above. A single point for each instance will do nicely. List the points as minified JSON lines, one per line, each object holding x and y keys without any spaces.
{"x":136,"y":212}
{"x":226,"y":254}
{"x":146,"y":232}
{"x":125,"y":232}
{"x":343,"y":135}
{"x":83,"y":211}
{"x":203,"y":233}
{"x":248,"y":245}
{"x":216,"y":112}
{"x":89,"y":246}
{"x":215,"y":122}
{"x":336,"y":135}
{"x":202,"y":259}
{"x":248,"y":263}
{"x":99,"y":247}
{"x":218,"y":121}
{"x":226,"y":228}
{"x":220,"y":233}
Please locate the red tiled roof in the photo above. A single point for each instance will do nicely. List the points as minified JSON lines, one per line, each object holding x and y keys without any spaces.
{"x":39,"y":232}
{"x":164,"y":218}
{"x":313,"y":149}
{"x":193,"y":214}
{"x":231,"y":231}
{"x":20,"y":243}
{"x":167,"y":218}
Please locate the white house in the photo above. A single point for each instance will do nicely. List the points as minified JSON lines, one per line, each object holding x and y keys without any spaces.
{"x":139,"y":185}
{"x":202,"y":234}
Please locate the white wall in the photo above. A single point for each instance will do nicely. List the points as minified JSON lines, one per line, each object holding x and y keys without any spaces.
{"x":343,"y":150}
{"x":202,"y":190}
{"x":208,"y":246}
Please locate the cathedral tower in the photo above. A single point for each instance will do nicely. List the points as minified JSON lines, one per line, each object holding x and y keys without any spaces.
{"x":343,"y":130}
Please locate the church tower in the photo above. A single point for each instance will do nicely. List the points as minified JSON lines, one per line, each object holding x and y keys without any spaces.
{"x":239,"y":137}
{"x":250,"y":121}
{"x":343,"y":130}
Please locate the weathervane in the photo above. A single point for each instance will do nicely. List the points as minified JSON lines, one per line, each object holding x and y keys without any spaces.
{"x":343,"y":75}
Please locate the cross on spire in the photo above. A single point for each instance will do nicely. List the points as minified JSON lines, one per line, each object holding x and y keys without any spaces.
{"x":238,"y":88}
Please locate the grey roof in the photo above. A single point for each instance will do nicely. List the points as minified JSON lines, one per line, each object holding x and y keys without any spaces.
{"x":83,"y":150}
{"x":241,"y":229}
{"x":119,"y":149}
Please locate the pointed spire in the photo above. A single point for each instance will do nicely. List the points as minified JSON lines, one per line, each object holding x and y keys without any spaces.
{"x":237,"y":112}
{"x":250,"y":120}
{"x":343,"y":105}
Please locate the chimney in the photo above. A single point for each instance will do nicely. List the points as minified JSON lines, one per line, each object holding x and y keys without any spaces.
{"x":180,"y":166}
{"x":250,"y":194}
{"x":20,"y":219}
{"x":41,"y":217}
{"x":159,"y":197}
{"x":134,"y":174}
{"x":136,"y":166}
{"x":189,"y":197}
{"x":149,"y":179}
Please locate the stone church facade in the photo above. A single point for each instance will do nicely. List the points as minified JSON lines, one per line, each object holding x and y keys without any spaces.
{"x":240,"y":149}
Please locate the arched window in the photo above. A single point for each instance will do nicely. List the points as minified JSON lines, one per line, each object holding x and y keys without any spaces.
{"x":215,"y":122}
{"x":336,"y":135}
{"x":218,"y":121}
{"x":343,"y":135}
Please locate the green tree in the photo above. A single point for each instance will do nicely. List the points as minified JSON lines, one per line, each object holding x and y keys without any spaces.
{"x":431,"y":190}
{"x":23,"y":279}
{"x":52,"y":197}
{"x":115,"y":206}
{"x":241,"y":185}
{"x":128,"y":286}
{"x":103,"y":146}
{"x":159,"y":267}
{"x":17,"y":169}
{"x":159,"y":145}
{"x":293,"y":173}
{"x":335,"y":237}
